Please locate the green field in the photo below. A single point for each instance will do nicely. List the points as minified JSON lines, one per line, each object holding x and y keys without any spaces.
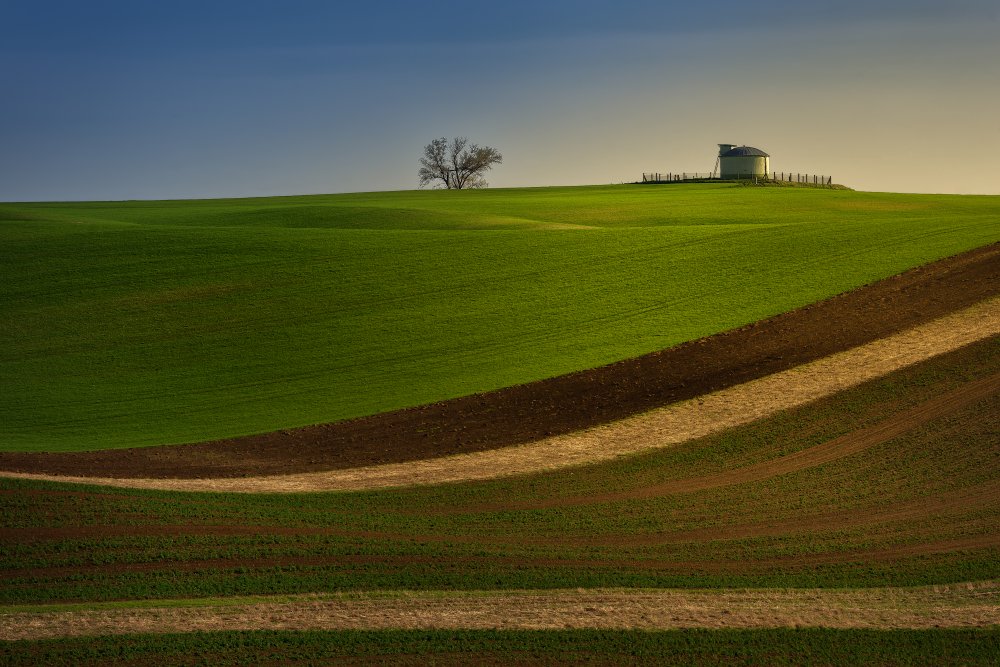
{"x":139,"y":323}
{"x":813,"y":646}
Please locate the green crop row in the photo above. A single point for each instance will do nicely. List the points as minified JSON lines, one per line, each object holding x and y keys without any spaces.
{"x":777,"y":647}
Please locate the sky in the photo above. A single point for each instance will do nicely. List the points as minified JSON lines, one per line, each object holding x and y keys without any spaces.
{"x":140,"y":99}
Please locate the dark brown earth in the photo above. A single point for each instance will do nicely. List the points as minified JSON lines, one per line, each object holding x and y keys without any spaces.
{"x":526,"y":413}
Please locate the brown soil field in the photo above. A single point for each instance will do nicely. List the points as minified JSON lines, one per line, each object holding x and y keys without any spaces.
{"x":963,"y":605}
{"x":565,"y":404}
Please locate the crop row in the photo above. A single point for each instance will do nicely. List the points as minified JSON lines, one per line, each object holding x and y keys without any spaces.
{"x":404,"y":647}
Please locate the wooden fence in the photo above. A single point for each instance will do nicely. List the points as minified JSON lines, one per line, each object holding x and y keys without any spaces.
{"x":790,"y":177}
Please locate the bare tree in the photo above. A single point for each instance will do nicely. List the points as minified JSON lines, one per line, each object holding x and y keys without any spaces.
{"x":456,"y":166}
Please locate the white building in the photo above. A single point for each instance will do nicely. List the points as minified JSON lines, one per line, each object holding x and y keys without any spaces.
{"x":742,"y":161}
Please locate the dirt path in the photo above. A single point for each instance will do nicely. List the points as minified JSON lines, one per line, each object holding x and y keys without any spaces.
{"x":961,"y":605}
{"x":569,"y":403}
{"x":672,"y":425}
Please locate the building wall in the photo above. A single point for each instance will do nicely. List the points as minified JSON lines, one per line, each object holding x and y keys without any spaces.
{"x":735,"y":167}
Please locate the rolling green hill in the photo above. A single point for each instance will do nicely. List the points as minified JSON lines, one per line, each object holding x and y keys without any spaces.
{"x":138,"y":323}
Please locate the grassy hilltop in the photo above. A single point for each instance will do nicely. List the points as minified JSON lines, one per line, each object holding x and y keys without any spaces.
{"x":139,"y":323}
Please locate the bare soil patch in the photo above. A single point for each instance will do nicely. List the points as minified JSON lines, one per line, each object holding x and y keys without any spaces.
{"x":965,"y":605}
{"x":565,"y":404}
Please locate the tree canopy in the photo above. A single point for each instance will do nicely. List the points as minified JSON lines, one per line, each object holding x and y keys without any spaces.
{"x":457,"y":165}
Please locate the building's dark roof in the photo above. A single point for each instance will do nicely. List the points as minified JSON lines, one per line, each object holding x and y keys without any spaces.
{"x":744,"y":151}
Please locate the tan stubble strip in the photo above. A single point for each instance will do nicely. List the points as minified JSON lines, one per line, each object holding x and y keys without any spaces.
{"x":958,"y":605}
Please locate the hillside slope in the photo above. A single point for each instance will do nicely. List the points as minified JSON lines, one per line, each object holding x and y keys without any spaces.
{"x":142,"y":323}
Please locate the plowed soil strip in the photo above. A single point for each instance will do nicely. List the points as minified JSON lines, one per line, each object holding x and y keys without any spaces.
{"x":663,"y":427}
{"x":569,"y":403}
{"x":966,"y":605}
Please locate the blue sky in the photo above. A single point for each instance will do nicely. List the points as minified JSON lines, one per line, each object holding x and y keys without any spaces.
{"x":118,"y":100}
